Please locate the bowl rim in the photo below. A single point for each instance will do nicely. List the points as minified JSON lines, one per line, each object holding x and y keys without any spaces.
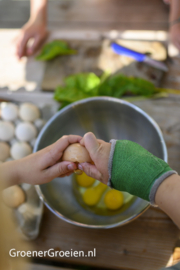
{"x":74,"y":104}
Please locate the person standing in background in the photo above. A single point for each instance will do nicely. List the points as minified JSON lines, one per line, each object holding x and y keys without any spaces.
{"x":36,"y":27}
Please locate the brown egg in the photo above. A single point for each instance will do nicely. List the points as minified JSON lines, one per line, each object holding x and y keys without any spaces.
{"x":13,"y":196}
{"x":76,"y":153}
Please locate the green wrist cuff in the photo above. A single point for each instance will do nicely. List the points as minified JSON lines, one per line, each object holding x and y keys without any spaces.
{"x":134,"y":169}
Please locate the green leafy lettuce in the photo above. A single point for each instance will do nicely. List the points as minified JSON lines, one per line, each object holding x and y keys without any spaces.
{"x":84,"y":85}
{"x":77,"y":87}
{"x":119,"y":85}
{"x":54,"y":49}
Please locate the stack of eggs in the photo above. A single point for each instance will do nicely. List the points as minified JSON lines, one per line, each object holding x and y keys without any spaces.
{"x":19,"y":127}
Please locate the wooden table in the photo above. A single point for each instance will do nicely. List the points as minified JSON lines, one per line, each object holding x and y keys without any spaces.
{"x":146,"y":243}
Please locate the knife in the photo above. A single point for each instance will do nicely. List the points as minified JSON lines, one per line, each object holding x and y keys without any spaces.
{"x":140,"y":57}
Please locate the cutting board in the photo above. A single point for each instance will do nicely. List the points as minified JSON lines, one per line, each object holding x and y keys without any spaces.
{"x":97,"y":56}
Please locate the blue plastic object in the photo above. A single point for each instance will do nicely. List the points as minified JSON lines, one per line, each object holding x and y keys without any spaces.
{"x":125,"y":51}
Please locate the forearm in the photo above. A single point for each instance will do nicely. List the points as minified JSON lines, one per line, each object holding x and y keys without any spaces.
{"x":9,"y":173}
{"x":174,"y":10}
{"x":39,"y":10}
{"x":168,"y":197}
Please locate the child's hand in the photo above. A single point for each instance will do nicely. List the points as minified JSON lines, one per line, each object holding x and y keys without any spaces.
{"x":99,"y":152}
{"x":41,"y":167}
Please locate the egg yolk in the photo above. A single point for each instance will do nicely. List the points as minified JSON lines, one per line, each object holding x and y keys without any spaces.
{"x":84,"y":181}
{"x":113,"y":199}
{"x":93,"y":194}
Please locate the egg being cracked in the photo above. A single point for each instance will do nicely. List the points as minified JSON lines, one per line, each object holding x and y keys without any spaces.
{"x":20,"y":150}
{"x":9,"y":111}
{"x":76,"y":153}
{"x":25,"y":131}
{"x":13,"y":196}
{"x":6,"y":131}
{"x":4,"y":151}
{"x":29,"y":112}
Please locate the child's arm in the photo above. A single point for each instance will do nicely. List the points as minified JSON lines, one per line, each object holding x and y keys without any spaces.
{"x":134,"y":170}
{"x":40,"y":167}
{"x":168,"y":197}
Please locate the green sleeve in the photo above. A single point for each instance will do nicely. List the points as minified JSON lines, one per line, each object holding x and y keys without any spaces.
{"x":135,"y":170}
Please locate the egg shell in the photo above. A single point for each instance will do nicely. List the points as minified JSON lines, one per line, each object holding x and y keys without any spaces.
{"x":4,"y":151}
{"x":6,"y":131}
{"x":13,"y":196}
{"x":39,"y":123}
{"x":26,"y":131}
{"x":9,"y":111}
{"x":29,"y":112}
{"x":76,"y":153}
{"x":20,"y":150}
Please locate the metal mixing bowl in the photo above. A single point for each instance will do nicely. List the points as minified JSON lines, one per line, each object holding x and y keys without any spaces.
{"x":108,"y":118}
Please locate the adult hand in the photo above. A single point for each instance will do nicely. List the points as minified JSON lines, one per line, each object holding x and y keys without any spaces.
{"x":99,"y":152}
{"x":33,"y":29}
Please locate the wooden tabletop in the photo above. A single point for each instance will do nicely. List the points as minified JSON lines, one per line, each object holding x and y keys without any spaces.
{"x":147,"y":243}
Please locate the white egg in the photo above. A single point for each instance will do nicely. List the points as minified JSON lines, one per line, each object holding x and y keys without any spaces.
{"x":29,"y":112}
{"x":6,"y":131}
{"x":39,"y":123}
{"x":26,"y":131}
{"x":9,"y":111}
{"x":4,"y":151}
{"x":20,"y":150}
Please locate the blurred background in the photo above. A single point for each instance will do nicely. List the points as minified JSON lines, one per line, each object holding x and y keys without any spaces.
{"x":93,"y":15}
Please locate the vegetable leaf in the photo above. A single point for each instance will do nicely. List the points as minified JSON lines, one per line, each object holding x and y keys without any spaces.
{"x":85,"y":82}
{"x":84,"y":85}
{"x":118,"y":85}
{"x":79,"y":86}
{"x":54,"y":49}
